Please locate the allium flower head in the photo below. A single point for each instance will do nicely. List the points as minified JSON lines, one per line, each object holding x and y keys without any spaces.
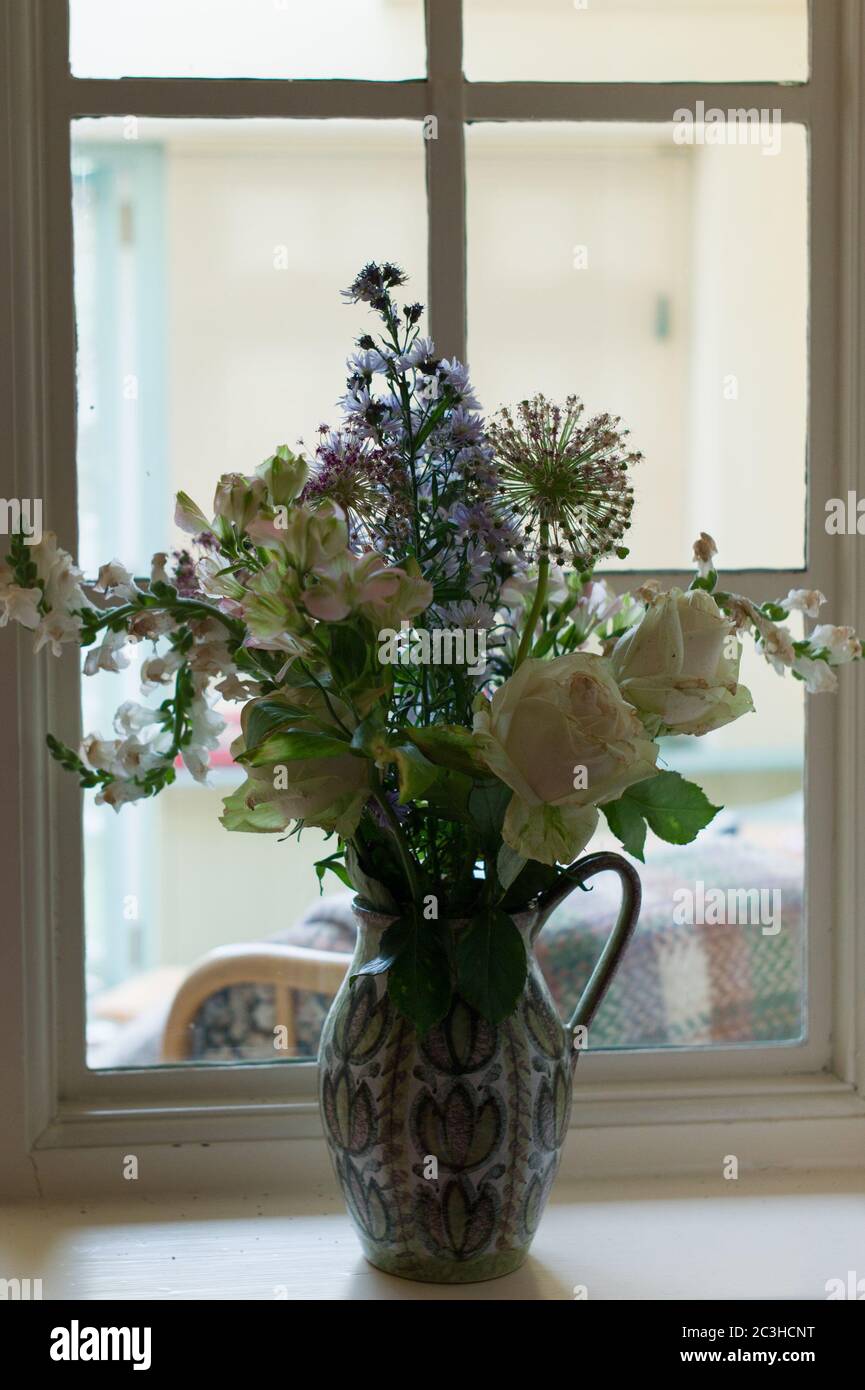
{"x":366,"y":482}
{"x":565,"y":479}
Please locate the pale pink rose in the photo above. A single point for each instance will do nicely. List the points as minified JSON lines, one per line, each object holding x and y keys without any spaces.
{"x":679,"y":665}
{"x":559,"y":734}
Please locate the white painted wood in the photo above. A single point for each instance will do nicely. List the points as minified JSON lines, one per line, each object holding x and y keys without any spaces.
{"x":58,"y":1124}
{"x":758,"y":1237}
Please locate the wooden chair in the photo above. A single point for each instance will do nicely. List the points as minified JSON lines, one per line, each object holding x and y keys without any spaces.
{"x":285,"y":968}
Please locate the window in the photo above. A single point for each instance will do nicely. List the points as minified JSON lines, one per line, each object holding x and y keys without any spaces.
{"x":690,"y":284}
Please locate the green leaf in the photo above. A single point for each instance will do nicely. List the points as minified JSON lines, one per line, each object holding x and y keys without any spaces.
{"x":491,"y":965}
{"x":448,"y":745}
{"x":419,"y":980}
{"x":449,"y":795}
{"x":394,"y":940}
{"x":416,"y":774}
{"x":334,"y":862}
{"x":348,"y":651}
{"x":487,"y":805}
{"x":268,"y":715}
{"x":509,"y":866}
{"x":535,"y":878}
{"x":370,"y":736}
{"x":293,"y":746}
{"x":627,"y":824}
{"x":370,"y":889}
{"x":674,"y":809}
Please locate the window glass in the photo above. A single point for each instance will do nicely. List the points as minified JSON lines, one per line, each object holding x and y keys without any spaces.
{"x":636,"y":40}
{"x":209,"y":259}
{"x":665,"y":282}
{"x":373,"y":39}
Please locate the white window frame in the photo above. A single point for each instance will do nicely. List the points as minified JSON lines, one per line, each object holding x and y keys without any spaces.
{"x":793,"y":1106}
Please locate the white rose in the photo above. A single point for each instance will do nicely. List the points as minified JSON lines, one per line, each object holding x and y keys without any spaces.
{"x":679,"y":665}
{"x":559,"y":734}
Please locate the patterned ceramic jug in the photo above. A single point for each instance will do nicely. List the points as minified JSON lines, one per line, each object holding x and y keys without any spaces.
{"x":491,"y":1104}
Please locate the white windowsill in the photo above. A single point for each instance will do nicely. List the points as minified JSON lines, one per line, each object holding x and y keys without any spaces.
{"x":763,"y":1236}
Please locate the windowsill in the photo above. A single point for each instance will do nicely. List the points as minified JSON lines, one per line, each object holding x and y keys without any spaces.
{"x":762,"y":1236}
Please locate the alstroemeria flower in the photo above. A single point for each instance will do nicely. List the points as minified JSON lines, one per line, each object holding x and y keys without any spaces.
{"x":348,"y":582}
{"x":238,"y":498}
{"x":310,"y":538}
{"x":188,"y":516}
{"x":284,"y":475}
{"x":412,"y":595}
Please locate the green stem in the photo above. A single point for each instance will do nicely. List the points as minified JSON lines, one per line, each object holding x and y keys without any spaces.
{"x":186,"y":607}
{"x":528,"y":637}
{"x":408,"y":864}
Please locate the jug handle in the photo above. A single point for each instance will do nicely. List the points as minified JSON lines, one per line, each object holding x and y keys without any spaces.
{"x":618,"y":938}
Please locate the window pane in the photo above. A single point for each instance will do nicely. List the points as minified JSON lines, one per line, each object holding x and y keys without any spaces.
{"x":209,"y":259}
{"x":374,"y":39}
{"x":719,"y":955}
{"x":636,"y":40}
{"x":666,"y":283}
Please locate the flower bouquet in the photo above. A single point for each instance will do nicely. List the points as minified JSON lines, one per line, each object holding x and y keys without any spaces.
{"x":431,"y":672}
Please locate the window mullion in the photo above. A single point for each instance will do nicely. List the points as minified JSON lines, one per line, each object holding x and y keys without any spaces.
{"x":445,"y":144}
{"x":629,"y":101}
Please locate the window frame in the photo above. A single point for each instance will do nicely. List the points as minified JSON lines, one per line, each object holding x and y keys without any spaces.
{"x":59,"y":1109}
